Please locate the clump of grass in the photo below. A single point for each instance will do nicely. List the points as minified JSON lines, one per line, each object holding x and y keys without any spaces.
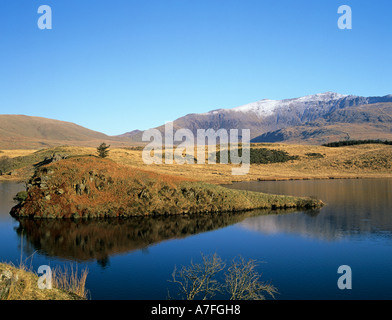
{"x":20,"y":197}
{"x":136,"y":148}
{"x":314,"y":155}
{"x":69,"y":280}
{"x":21,"y":283}
{"x":6,"y":164}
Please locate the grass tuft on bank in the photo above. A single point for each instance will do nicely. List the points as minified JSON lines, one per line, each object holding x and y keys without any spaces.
{"x":20,"y":283}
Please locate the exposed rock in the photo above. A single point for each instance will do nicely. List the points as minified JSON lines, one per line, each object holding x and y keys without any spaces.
{"x":7,"y":279}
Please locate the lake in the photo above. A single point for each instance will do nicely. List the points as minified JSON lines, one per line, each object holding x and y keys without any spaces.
{"x":301,"y":250}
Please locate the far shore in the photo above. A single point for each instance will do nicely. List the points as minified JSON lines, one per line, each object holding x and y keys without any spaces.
{"x":17,"y":179}
{"x":371,"y":161}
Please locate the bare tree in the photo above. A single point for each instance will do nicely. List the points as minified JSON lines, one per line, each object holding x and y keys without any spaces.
{"x":243,"y":281}
{"x":198,"y":280}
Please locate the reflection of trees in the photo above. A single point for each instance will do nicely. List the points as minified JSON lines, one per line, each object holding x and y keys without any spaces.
{"x":99,"y":239}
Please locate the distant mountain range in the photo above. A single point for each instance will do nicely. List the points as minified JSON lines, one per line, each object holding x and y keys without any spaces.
{"x":313,"y":119}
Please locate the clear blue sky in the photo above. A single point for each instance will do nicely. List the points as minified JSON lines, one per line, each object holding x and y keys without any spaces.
{"x":119,"y":65}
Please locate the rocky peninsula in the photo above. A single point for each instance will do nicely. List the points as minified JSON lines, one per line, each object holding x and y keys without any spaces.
{"x":91,"y":187}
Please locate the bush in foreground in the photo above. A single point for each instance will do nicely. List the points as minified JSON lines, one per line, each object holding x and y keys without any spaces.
{"x":203,"y":281}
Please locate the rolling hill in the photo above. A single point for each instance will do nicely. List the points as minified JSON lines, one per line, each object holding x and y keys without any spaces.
{"x":26,"y":132}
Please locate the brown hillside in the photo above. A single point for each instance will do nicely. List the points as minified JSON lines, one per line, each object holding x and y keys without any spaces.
{"x":26,"y":132}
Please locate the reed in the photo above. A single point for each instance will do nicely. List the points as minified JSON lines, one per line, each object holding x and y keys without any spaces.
{"x":21,"y":283}
{"x":68,"y":279}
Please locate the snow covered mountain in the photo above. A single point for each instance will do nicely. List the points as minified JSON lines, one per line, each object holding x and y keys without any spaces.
{"x":317,"y":118}
{"x":268,"y":107}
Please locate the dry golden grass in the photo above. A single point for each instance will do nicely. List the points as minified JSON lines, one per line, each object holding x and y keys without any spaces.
{"x":69,"y":280}
{"x":67,"y":284}
{"x":360,"y":161}
{"x":15,"y":153}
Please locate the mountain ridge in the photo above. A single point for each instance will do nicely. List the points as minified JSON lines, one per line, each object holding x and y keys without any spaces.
{"x":31,"y":132}
{"x":312,"y":119}
{"x":267,"y":116}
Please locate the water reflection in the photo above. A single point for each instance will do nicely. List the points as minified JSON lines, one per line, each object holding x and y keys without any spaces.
{"x":8,"y":190}
{"x":354,"y":208}
{"x":99,"y":239}
{"x":302,"y":249}
{"x":299,"y":224}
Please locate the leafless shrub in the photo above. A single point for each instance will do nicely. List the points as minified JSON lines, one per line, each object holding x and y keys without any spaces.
{"x":198,"y":280}
{"x":241,"y":280}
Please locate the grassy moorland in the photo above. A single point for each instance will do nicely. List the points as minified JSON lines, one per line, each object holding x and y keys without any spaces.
{"x":19,"y":283}
{"x":312,"y":162}
{"x":89,"y":187}
{"x":309,"y":162}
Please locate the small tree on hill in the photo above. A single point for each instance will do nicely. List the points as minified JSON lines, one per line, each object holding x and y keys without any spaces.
{"x":102,"y":150}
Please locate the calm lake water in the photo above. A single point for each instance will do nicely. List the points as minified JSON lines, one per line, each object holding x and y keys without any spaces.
{"x":134,"y":258}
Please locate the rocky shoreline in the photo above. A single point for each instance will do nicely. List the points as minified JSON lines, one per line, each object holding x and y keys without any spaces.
{"x":90,"y":187}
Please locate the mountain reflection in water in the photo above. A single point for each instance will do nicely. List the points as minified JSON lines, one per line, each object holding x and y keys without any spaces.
{"x":353,"y":208}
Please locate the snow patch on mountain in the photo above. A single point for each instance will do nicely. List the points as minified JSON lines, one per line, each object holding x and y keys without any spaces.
{"x":294,"y":111}
{"x":267,"y":107}
{"x":263,"y":107}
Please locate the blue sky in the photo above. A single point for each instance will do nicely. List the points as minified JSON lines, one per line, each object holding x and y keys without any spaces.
{"x":119,"y":65}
